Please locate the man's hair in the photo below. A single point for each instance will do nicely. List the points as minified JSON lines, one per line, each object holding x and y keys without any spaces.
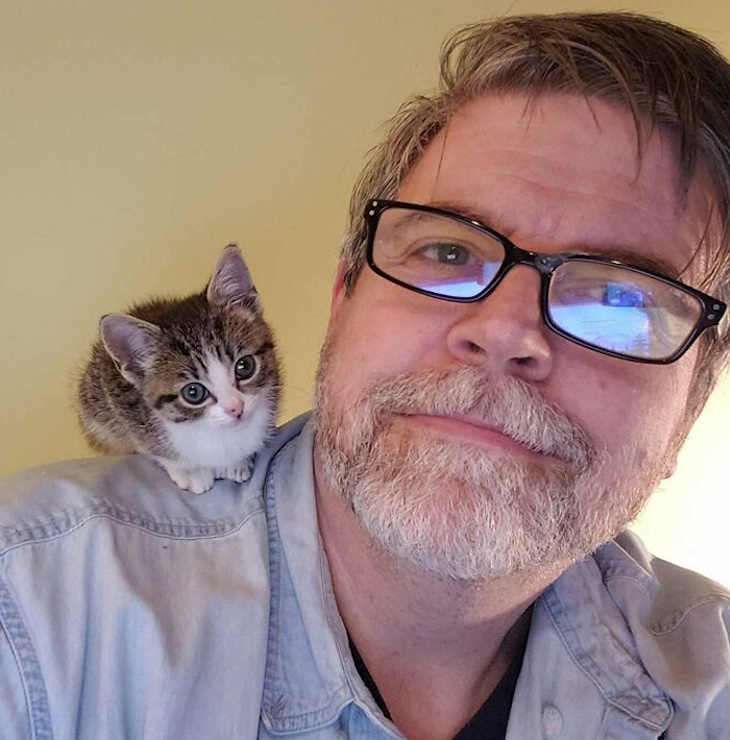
{"x":668,"y":77}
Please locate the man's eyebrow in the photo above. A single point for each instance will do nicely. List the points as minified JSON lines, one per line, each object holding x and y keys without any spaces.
{"x":654,"y":262}
{"x":464,"y":211}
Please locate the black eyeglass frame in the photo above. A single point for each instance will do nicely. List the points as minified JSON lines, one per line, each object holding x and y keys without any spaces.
{"x":546,"y":264}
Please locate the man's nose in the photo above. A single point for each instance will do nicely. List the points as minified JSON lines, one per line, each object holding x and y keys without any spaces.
{"x":505,"y":331}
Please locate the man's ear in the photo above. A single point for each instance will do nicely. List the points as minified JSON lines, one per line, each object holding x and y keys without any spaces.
{"x":338,"y":292}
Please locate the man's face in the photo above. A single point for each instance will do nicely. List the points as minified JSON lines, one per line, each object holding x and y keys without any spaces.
{"x":468,"y":438}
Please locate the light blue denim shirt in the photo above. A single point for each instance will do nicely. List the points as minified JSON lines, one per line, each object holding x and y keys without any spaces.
{"x":130,"y":609}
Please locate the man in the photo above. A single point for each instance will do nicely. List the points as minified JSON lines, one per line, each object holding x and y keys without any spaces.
{"x":525,"y":323}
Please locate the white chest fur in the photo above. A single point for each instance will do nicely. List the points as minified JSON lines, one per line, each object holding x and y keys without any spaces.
{"x":201,"y":444}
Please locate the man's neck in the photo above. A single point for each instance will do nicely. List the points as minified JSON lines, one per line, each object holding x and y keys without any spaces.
{"x":435,"y":647}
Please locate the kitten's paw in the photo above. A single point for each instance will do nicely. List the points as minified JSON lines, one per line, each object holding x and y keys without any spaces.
{"x":240,"y":474}
{"x":199,"y":481}
{"x":195,"y":481}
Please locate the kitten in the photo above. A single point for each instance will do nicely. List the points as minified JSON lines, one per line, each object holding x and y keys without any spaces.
{"x":193,"y":382}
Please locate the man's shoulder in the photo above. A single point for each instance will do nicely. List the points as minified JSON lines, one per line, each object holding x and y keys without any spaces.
{"x":52,"y":500}
{"x":115,"y":585}
{"x":679,"y":622}
{"x":651,"y":636}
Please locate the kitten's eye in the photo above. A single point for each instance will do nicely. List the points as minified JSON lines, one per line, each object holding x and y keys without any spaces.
{"x":194,"y":393}
{"x":246,"y":367}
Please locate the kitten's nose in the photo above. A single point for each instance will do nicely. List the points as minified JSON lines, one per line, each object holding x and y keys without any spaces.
{"x":234,"y":406}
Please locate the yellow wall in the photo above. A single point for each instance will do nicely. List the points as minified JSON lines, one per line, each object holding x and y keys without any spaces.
{"x":137,"y":138}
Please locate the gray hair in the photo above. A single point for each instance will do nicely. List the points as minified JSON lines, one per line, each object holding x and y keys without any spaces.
{"x":666,"y":76}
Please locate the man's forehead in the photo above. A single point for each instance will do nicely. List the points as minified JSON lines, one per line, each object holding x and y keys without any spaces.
{"x":562,"y":167}
{"x":520,"y":131}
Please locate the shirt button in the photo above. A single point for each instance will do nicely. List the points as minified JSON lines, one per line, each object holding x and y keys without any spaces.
{"x":552,"y":722}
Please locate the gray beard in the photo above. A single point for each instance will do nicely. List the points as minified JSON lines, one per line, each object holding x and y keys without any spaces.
{"x":459,"y":510}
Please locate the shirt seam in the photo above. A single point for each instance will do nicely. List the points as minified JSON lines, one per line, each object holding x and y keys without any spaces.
{"x":675,"y":618}
{"x":21,"y":645}
{"x":64,"y":524}
{"x":679,"y":617}
{"x":275,"y":598}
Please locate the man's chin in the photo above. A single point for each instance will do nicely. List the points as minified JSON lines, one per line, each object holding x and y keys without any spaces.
{"x":456,"y":520}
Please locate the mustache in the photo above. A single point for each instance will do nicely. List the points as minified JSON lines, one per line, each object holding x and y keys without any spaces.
{"x":516,"y":408}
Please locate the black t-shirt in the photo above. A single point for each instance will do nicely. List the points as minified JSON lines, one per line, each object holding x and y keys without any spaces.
{"x":489,"y":723}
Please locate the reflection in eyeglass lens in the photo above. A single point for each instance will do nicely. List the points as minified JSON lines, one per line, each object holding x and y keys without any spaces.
{"x":620,"y":310}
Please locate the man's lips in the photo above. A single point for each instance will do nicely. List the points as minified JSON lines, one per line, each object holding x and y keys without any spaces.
{"x":470,"y":430}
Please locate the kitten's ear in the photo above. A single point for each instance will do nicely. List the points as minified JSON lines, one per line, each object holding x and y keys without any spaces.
{"x":231,"y":283}
{"x":130,"y":342}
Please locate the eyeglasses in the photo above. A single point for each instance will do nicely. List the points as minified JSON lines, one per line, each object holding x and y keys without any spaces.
{"x":603,"y":304}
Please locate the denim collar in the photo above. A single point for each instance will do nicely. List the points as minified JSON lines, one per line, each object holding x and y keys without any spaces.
{"x":310,"y":675}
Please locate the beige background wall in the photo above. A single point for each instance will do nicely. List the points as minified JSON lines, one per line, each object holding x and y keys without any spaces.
{"x":137,"y":138}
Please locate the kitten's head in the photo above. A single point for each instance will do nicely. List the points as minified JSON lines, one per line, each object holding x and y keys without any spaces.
{"x":207,"y":358}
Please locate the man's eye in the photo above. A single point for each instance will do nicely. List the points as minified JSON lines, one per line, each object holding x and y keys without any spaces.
{"x":448,"y":254}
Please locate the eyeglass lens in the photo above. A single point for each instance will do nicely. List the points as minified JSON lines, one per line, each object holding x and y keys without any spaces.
{"x":606,"y":306}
